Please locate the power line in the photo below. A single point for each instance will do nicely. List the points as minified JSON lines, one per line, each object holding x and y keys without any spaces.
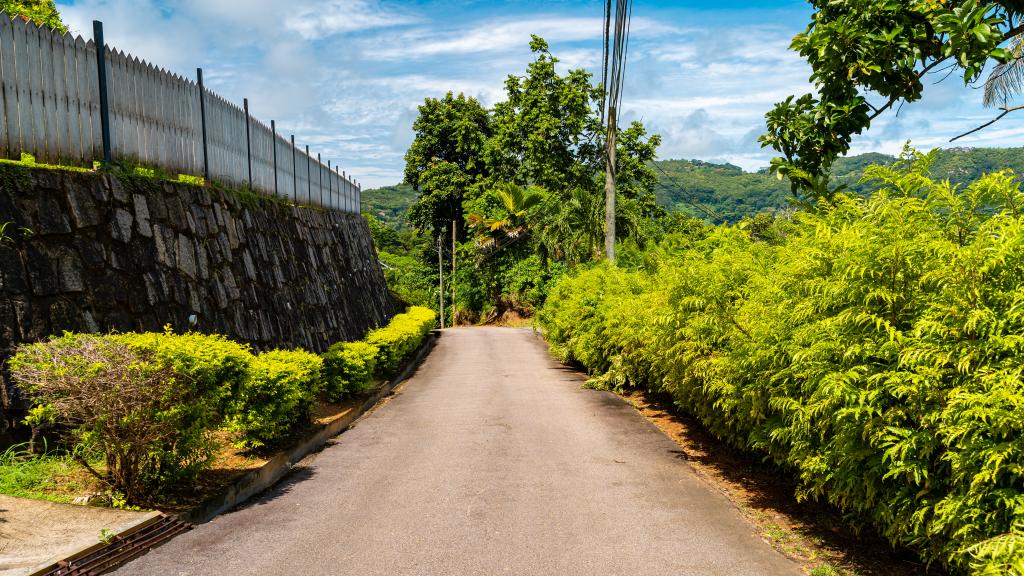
{"x":612,"y":74}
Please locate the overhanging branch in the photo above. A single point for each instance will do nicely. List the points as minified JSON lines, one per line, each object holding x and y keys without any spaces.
{"x":989,"y":123}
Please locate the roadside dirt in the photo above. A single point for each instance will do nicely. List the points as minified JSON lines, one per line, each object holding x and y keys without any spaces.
{"x":812,"y":534}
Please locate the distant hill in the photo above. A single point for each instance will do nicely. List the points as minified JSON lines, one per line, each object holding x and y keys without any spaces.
{"x":731,"y":194}
{"x":389,"y":203}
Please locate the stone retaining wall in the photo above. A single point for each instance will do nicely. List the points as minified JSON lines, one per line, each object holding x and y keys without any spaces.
{"x":94,"y":253}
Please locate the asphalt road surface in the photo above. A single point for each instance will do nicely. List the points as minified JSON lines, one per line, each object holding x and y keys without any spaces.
{"x":490,"y":460}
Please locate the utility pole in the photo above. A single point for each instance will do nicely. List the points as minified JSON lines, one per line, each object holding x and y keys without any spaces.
{"x":612,"y":73}
{"x":609,"y":189}
{"x":452,"y":279}
{"x":440,"y":278}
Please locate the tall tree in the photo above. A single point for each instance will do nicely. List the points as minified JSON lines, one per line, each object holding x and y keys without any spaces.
{"x":545,"y":133}
{"x":42,"y":12}
{"x":445,"y":159}
{"x":868,"y":57}
{"x":549,"y":133}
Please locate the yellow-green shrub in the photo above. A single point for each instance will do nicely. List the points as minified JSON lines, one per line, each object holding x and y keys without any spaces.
{"x":276,"y":397}
{"x":211,"y":361}
{"x":349,"y":368}
{"x":150,"y":421}
{"x":401,"y":337}
{"x":875,"y":351}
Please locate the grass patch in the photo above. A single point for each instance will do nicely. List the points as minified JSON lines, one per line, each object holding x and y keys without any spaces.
{"x":51,"y":476}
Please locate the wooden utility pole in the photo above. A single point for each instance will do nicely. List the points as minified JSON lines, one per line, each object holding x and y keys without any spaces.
{"x":451,"y":280}
{"x":609,"y":189}
{"x":440,"y":278}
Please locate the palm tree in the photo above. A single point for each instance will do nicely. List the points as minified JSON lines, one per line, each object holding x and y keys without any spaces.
{"x":492,"y":233}
{"x":1007,"y":79}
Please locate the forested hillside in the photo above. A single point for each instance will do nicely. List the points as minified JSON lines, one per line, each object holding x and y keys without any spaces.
{"x":728,"y":193}
{"x":723,"y":192}
{"x":389,"y":204}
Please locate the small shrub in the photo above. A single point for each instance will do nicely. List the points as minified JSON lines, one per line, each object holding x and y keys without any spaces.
{"x":212,"y":363}
{"x":401,"y":337}
{"x":348,"y":369}
{"x":149,"y":421}
{"x":277,"y":396}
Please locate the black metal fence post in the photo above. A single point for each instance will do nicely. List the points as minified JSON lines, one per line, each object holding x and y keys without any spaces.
{"x":248,"y":140}
{"x":202,"y":120}
{"x":330,"y":185}
{"x":309,"y":176}
{"x":273,"y":128}
{"x":101,"y":69}
{"x":295,"y":173}
{"x":320,"y":178}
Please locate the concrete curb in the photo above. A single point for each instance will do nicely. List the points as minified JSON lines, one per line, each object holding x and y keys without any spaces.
{"x":120,"y":532}
{"x":257,"y":481}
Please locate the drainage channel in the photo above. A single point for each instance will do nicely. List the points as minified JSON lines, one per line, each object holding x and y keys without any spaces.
{"x":121,"y":549}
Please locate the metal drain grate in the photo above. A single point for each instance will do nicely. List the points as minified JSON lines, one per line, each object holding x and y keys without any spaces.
{"x":121,"y":549}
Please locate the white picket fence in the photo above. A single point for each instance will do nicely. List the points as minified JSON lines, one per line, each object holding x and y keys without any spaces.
{"x":49,"y":85}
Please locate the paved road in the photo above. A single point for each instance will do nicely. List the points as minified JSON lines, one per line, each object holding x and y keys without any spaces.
{"x":491,"y":460}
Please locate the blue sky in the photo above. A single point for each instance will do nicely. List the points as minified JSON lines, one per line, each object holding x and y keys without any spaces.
{"x":346,"y":75}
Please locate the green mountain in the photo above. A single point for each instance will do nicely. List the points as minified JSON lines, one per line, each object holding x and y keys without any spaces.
{"x":389,"y":204}
{"x":728,"y":193}
{"x":723,"y":192}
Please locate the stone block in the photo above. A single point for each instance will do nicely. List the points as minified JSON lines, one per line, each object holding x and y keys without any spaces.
{"x":70,"y":270}
{"x":142,"y":215}
{"x":121,"y":226}
{"x":84,"y":210}
{"x":186,"y":256}
{"x":50,"y":216}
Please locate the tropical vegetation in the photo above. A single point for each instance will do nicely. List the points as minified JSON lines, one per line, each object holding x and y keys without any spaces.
{"x":519,"y":185}
{"x":872,"y":347}
{"x":869,"y":56}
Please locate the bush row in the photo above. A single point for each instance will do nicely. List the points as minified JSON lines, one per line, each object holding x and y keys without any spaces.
{"x":872,"y":346}
{"x":149,"y":402}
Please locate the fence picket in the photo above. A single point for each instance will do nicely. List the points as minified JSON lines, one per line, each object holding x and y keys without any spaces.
{"x":8,"y":126}
{"x":23,"y":81}
{"x":89,"y":81}
{"x":36,"y":89}
{"x":71,"y":80}
{"x":51,"y":150}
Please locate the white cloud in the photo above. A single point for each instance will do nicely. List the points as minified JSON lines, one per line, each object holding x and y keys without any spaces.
{"x":344,"y":16}
{"x":346,"y":76}
{"x":501,"y":35}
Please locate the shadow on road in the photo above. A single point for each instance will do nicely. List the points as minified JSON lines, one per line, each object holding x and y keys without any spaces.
{"x":765,"y":493}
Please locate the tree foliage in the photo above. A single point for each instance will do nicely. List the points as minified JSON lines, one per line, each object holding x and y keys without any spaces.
{"x":445,"y":159}
{"x":547,"y":137}
{"x":41,"y":12}
{"x":868,"y":56}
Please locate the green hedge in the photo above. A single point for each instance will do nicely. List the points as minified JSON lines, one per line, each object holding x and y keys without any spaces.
{"x":875,"y":348}
{"x":278,"y":396}
{"x":349,"y":368}
{"x":212,"y":362}
{"x":396,"y":341}
{"x":150,"y":401}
